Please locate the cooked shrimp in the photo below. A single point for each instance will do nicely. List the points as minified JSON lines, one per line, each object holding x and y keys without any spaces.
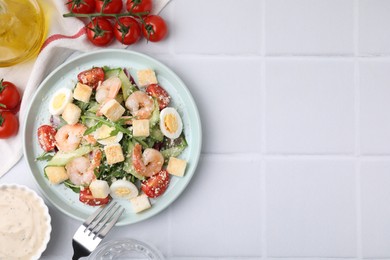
{"x":68,"y":137}
{"x":128,"y":120}
{"x":96,"y":159}
{"x":108,"y":89}
{"x":81,"y":170}
{"x":78,"y":171}
{"x":147,"y":163}
{"x":140,"y":105}
{"x":90,"y":139}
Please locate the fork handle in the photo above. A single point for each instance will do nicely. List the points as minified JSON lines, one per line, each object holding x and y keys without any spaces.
{"x":79,"y":251}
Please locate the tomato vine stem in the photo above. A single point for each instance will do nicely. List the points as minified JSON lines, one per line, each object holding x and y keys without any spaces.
{"x":138,"y":15}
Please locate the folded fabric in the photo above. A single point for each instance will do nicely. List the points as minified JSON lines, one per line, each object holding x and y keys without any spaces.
{"x":65,"y":36}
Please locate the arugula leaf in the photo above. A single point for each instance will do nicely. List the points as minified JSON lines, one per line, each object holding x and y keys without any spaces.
{"x":109,"y":123}
{"x":82,"y":105}
{"x":71,"y":186}
{"x":93,"y":128}
{"x":45,"y":157}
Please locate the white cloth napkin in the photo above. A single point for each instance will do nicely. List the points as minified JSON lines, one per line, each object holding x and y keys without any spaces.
{"x":65,"y":36}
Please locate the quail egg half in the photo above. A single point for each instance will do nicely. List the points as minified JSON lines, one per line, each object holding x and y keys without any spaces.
{"x":170,"y":123}
{"x":59,"y":100}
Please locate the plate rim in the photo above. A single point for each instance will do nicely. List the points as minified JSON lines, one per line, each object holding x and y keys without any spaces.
{"x":198,"y":125}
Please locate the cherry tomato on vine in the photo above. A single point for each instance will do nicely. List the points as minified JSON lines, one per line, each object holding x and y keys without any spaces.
{"x":156,"y":185}
{"x":110,"y":6}
{"x":9,"y":96}
{"x":9,"y":124}
{"x":100,"y":31}
{"x":81,"y":6}
{"x":46,"y":137}
{"x":161,"y":94}
{"x":139,"y":6}
{"x":154,"y":29}
{"x":127,"y":30}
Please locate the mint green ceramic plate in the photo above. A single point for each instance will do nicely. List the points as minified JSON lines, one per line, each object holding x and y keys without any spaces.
{"x":65,"y":76}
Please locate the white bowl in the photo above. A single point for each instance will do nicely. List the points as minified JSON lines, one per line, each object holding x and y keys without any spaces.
{"x":37,"y":205}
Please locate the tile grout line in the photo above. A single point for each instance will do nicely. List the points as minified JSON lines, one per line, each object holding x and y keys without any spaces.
{"x":357,"y":131}
{"x":171,"y":45}
{"x":263,"y":199}
{"x":351,"y":157}
{"x":262,"y":54}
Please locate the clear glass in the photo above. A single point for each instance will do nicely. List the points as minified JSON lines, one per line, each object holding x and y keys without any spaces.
{"x":22,"y":30}
{"x":126,"y":249}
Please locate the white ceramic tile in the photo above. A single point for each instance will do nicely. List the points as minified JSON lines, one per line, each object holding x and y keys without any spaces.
{"x":375,"y":207}
{"x":310,"y":106}
{"x":154,"y":231}
{"x":311,"y":209}
{"x":218,"y":26}
{"x":224,"y":218}
{"x":227,"y":93}
{"x":374,"y":20}
{"x":309,"y":27}
{"x":374,"y":107}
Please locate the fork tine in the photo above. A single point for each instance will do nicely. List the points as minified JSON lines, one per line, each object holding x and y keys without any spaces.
{"x":101,"y":224}
{"x":110,"y":225}
{"x":91,"y":218}
{"x":94,"y":222}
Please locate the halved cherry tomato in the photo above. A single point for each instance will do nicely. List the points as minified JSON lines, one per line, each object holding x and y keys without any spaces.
{"x":87,"y":198}
{"x":161,"y":94}
{"x":110,"y":6}
{"x":139,"y":6}
{"x":127,"y":30}
{"x":154,"y":29}
{"x":100,"y":31}
{"x":9,"y":96}
{"x":9,"y":124}
{"x":46,"y":137}
{"x":156,"y":185}
{"x":81,"y":6}
{"x":91,"y":77}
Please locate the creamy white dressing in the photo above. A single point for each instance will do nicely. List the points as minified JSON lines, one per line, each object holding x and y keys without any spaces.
{"x":22,"y":224}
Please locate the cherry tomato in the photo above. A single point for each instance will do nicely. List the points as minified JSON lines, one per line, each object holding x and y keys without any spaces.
{"x":161,"y":94}
{"x":87,"y":198}
{"x":110,"y":6}
{"x":91,"y":77}
{"x":81,"y":6}
{"x":9,"y":96}
{"x":154,"y":29}
{"x":46,"y":137}
{"x":127,"y":30}
{"x":156,"y":185}
{"x":9,"y":124}
{"x":100,"y":31}
{"x":139,"y":6}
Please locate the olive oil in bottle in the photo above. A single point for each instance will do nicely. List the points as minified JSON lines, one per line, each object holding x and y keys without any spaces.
{"x":22,"y":29}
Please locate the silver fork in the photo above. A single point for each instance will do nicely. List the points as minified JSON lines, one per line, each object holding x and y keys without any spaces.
{"x":94,"y":229}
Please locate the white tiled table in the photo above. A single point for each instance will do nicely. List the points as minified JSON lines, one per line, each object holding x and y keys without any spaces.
{"x":294,"y":96}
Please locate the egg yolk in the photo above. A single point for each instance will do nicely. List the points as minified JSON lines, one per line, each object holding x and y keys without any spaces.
{"x":122,"y":192}
{"x":58,"y":101}
{"x":171,"y":124}
{"x":104,"y":132}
